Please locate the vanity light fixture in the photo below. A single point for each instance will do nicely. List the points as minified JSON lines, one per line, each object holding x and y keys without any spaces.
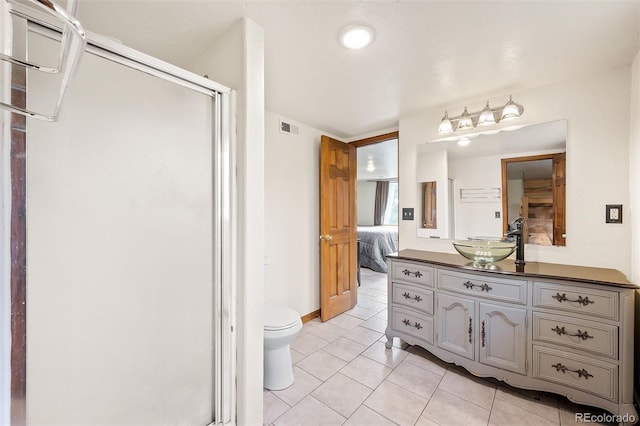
{"x":511,"y":110}
{"x":464,"y":121}
{"x":488,"y":116}
{"x":445,"y":125}
{"x":356,"y":36}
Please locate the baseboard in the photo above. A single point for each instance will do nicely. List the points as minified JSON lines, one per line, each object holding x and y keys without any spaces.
{"x":310,"y":316}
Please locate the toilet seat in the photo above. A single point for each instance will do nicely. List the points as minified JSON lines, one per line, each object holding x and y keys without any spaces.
{"x":279,"y":318}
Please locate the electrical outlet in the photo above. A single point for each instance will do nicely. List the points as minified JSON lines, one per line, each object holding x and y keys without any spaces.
{"x":407,"y":214}
{"x":497,"y":215}
{"x":613,"y":213}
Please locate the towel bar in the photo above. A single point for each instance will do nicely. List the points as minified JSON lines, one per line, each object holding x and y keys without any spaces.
{"x":74,"y":40}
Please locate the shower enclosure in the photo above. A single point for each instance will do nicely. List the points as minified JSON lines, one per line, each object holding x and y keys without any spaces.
{"x":129,"y":268}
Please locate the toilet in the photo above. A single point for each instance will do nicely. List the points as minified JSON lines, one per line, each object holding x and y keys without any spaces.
{"x":281,"y":326}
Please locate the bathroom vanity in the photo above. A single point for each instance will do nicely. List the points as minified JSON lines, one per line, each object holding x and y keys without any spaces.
{"x":556,"y":328}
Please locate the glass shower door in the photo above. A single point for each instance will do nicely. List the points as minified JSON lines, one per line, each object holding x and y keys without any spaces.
{"x":123,"y":296}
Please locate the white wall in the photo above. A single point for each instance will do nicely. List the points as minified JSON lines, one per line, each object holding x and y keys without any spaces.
{"x":292,"y":215}
{"x":597,"y":114}
{"x":366,"y":202}
{"x":634,"y":180}
{"x":428,"y":168}
{"x":476,"y":218}
{"x":634,"y":170}
{"x":236,"y":59}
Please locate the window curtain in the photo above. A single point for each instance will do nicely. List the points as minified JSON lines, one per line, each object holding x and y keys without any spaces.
{"x":382,"y":194}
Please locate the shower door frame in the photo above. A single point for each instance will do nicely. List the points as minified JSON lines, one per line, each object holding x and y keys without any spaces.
{"x":224,"y":208}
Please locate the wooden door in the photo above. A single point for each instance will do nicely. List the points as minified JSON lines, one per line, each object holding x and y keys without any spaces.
{"x":503,"y":337}
{"x":456,"y":316}
{"x":559,"y":201}
{"x":338,"y":226}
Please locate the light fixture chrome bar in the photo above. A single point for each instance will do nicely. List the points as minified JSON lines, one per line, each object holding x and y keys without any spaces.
{"x":73,"y":43}
{"x":508,"y":111}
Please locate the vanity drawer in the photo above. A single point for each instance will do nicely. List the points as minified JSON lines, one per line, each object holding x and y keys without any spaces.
{"x":415,"y":297}
{"x":590,"y":336}
{"x":412,"y":272}
{"x":506,"y":290}
{"x":583,"y":300}
{"x":412,"y":323}
{"x":586,"y":374}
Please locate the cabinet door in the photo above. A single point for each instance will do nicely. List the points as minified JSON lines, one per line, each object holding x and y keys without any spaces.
{"x":456,"y":327}
{"x":503,"y":337}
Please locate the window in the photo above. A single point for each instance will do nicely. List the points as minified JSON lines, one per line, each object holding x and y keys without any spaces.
{"x":391,"y":212}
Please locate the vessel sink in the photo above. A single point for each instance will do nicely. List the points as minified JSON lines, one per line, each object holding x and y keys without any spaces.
{"x":485,"y":252}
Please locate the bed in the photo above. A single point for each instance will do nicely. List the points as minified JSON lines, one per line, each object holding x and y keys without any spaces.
{"x":376,"y":242}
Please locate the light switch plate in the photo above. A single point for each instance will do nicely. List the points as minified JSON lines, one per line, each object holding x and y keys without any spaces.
{"x":613,"y":213}
{"x":407,"y":214}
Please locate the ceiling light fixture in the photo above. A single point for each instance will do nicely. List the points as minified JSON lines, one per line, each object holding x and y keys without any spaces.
{"x":356,"y":36}
{"x":486,"y":117}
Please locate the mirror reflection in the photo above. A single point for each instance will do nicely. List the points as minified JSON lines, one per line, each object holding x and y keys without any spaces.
{"x":534,"y":189}
{"x":473,"y":200}
{"x":429,"y":205}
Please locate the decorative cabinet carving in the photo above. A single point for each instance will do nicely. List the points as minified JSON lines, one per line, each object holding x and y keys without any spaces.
{"x":557,"y":334}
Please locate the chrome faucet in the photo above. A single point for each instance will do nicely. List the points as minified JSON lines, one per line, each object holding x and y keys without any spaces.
{"x":518,"y":224}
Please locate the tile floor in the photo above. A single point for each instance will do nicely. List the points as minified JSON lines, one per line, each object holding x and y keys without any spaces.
{"x":344,"y":375}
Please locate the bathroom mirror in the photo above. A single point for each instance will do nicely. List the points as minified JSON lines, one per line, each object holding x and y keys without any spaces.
{"x":469,"y":178}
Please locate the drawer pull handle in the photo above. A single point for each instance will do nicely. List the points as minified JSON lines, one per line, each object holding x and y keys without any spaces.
{"x":581,"y":373}
{"x":470,"y":331}
{"x":584,"y":335}
{"x":584,"y":301}
{"x":483,"y":287}
{"x":408,"y":273}
{"x":417,"y":298}
{"x":482,"y":334}
{"x":408,"y":323}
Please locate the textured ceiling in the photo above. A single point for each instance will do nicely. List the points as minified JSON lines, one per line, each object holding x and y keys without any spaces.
{"x":425,"y":54}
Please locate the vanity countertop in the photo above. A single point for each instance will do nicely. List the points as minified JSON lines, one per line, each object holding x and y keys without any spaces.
{"x":531,"y":269}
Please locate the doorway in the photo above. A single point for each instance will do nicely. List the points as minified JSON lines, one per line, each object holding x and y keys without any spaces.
{"x":377,"y":200}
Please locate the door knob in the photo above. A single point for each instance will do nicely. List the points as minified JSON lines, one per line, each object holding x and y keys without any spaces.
{"x":327,"y":237}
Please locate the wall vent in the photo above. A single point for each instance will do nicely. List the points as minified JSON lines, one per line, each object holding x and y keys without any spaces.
{"x":288,"y":128}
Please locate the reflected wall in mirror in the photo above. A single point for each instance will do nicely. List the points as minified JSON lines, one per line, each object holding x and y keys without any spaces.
{"x":429,"y":205}
{"x":471,"y":204}
{"x":533,"y":188}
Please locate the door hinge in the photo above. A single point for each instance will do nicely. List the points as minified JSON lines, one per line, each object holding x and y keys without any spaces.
{"x":526,"y":321}
{"x":526,"y":366}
